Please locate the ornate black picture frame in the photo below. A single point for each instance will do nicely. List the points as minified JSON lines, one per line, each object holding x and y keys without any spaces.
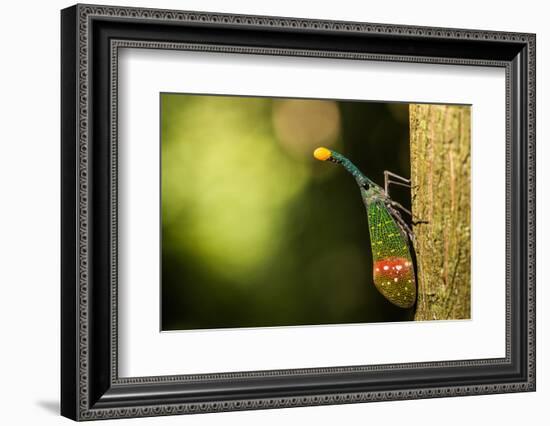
{"x":91,"y":36}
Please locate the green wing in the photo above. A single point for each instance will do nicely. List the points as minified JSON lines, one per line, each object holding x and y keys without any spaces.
{"x":393,"y":269}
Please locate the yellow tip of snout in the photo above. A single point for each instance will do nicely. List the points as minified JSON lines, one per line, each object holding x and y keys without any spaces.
{"x":322,"y":154}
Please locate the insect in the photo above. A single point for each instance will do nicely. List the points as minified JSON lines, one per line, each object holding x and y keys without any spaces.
{"x":391,"y":237}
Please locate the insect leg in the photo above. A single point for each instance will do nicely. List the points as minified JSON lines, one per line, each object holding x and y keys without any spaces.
{"x":397,"y":180}
{"x":399,"y":206}
{"x":403,"y":225}
{"x":401,"y":181}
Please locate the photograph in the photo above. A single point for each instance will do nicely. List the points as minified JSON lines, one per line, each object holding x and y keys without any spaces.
{"x":270,"y":210}
{"x":303,"y":212}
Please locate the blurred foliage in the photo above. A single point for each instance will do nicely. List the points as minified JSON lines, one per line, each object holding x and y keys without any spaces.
{"x":255,"y":232}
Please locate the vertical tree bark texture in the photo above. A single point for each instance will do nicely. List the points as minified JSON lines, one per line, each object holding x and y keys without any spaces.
{"x":440,"y":173}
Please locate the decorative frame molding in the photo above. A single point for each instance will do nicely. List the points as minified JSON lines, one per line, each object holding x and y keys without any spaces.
{"x":91,"y":37}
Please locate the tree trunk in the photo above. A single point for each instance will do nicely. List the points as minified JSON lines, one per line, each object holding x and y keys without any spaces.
{"x":440,"y":173}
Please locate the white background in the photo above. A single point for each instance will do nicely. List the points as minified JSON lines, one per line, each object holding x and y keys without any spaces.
{"x":29,"y":225}
{"x":146,"y":352}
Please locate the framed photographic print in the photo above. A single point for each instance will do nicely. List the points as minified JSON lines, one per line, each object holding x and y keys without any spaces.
{"x":263,"y":212}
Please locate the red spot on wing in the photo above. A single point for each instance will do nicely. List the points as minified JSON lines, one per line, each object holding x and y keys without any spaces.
{"x":394,"y":278}
{"x":392,"y":267}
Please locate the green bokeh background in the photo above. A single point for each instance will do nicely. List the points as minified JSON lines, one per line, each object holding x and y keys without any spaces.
{"x":255,"y":231}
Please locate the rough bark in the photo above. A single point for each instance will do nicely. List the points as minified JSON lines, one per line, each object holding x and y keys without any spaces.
{"x":440,"y":172}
